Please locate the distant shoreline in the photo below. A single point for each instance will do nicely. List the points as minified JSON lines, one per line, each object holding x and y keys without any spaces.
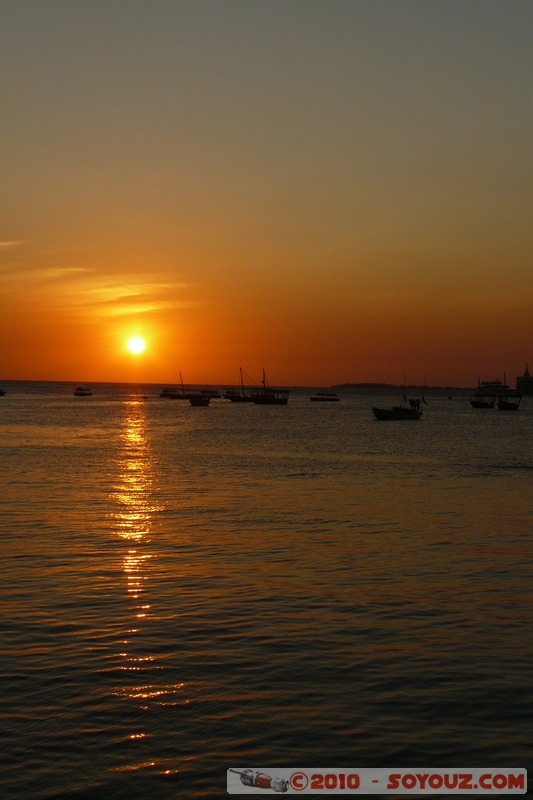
{"x":365,"y":386}
{"x":409,"y":387}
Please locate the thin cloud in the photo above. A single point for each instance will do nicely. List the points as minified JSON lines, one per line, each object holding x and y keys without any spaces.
{"x":118,"y":300}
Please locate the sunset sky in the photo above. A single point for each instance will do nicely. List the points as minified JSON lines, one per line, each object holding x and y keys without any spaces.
{"x":336,"y":190}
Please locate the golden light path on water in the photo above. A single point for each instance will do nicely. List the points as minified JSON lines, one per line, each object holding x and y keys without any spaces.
{"x":134,"y":497}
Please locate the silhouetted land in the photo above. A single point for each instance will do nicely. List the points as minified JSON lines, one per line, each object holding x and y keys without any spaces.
{"x":403,"y":388}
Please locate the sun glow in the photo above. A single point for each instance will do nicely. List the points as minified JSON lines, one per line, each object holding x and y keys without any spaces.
{"x":136,"y":345}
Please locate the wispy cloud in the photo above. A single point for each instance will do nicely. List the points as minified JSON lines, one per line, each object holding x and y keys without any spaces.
{"x":28,"y":275}
{"x":11,"y":244}
{"x":120,"y":300}
{"x":85,"y":290}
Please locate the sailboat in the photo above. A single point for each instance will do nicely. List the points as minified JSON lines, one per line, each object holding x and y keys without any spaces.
{"x":175,"y":394}
{"x":195,"y":398}
{"x":510,"y":399}
{"x":265,"y":395}
{"x":236,"y":395}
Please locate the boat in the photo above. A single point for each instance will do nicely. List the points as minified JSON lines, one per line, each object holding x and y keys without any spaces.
{"x":199,"y":399}
{"x":81,"y":391}
{"x":235,"y":396}
{"x":486,"y":393}
{"x":482,"y":401}
{"x":172,"y":394}
{"x":238,"y":395}
{"x":492,"y":388}
{"x":409,"y":409}
{"x":175,"y":394}
{"x":325,"y":397}
{"x":484,"y":396}
{"x":509,"y":400}
{"x":265,"y":395}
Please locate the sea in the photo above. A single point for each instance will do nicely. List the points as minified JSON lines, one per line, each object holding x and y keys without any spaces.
{"x":186,"y":590}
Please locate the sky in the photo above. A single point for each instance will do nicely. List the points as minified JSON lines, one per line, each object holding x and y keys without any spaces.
{"x":334,"y":190}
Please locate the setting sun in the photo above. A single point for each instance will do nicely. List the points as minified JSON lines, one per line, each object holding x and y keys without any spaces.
{"x":136,"y":345}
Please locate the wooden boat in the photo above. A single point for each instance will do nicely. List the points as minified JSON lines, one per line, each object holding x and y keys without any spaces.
{"x":325,"y":397}
{"x":81,"y":391}
{"x":486,"y":393}
{"x":199,"y":399}
{"x":409,"y":409}
{"x":238,"y":395}
{"x":508,"y":403}
{"x":265,"y":395}
{"x":172,"y":394}
{"x":481,"y":400}
{"x":177,"y":394}
{"x":509,"y":400}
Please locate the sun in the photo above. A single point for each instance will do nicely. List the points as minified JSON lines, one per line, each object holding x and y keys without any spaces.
{"x":136,"y":345}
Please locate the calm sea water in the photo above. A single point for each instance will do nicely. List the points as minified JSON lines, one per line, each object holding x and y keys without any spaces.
{"x":185,"y":590}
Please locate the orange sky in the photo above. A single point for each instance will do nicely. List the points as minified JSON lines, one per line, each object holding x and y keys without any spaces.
{"x":334,"y":191}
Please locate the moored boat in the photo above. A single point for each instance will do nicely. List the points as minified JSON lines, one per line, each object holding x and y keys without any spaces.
{"x":265,"y":395}
{"x":509,"y":400}
{"x":409,"y":409}
{"x":482,"y":401}
{"x":486,"y":393}
{"x":238,"y":395}
{"x":509,"y":403}
{"x":181,"y":394}
{"x":172,"y":394}
{"x":325,"y":397}
{"x":199,"y":399}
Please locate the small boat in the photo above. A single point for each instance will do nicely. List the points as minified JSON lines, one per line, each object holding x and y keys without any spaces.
{"x":325,"y":397}
{"x":265,"y":395}
{"x":509,"y":403}
{"x":172,"y":394}
{"x":509,"y":400}
{"x":199,"y":399}
{"x":238,"y":395}
{"x":2,"y":392}
{"x":235,"y":396}
{"x":482,"y":400}
{"x":409,"y":409}
{"x":81,"y":391}
{"x":175,"y":394}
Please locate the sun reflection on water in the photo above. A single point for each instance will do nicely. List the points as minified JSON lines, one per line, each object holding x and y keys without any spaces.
{"x":136,"y":507}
